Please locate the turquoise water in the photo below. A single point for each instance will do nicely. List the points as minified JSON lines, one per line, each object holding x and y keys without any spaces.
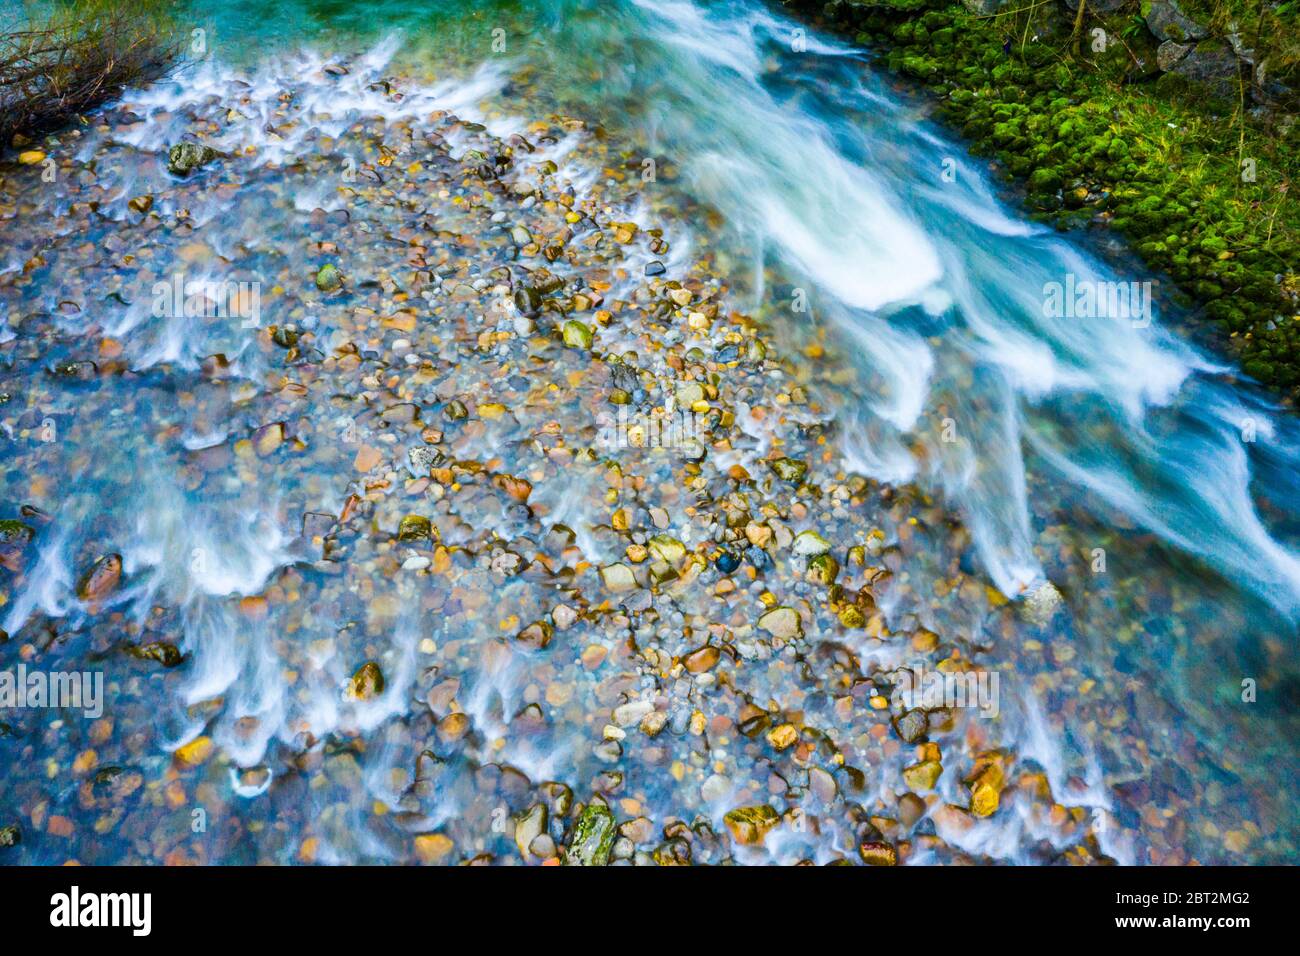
{"x":1154,"y":490}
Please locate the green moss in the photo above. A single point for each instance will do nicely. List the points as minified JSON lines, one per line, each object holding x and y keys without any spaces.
{"x":14,"y":538}
{"x":1161,"y":163}
{"x":11,"y":529}
{"x":593,"y":837}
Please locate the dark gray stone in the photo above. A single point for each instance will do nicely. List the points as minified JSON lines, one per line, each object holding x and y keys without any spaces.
{"x":1211,"y":64}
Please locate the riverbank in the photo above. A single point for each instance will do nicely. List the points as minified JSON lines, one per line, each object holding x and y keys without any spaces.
{"x":60,"y":63}
{"x":1190,"y":164}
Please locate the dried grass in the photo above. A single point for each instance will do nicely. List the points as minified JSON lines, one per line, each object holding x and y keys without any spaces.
{"x":77,"y":56}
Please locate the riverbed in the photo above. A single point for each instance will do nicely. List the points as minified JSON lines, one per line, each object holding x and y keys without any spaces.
{"x":561,"y":432}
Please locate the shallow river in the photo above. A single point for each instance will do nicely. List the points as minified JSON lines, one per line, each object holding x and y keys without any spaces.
{"x":363,"y":422}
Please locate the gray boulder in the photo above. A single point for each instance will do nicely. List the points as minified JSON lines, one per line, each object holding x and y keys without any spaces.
{"x":1167,"y":22}
{"x":1211,"y":64}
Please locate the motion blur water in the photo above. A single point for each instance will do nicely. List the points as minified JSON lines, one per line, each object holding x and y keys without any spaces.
{"x":845,"y":201}
{"x":839,"y":183}
{"x":841,"y":186}
{"x":848,"y":200}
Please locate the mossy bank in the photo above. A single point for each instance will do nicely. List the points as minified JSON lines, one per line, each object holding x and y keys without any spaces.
{"x":1173,"y":125}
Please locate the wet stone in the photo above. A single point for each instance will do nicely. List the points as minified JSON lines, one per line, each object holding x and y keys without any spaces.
{"x":161,"y":652}
{"x":14,"y":539}
{"x":823,"y":785}
{"x":627,"y":715}
{"x":912,"y":725}
{"x":102,"y":578}
{"x":923,"y":776}
{"x":809,"y":543}
{"x":563,"y":616}
{"x":415,"y":528}
{"x":268,"y":438}
{"x":823,"y":569}
{"x":727,"y":562}
{"x":749,"y":825}
{"x":317,"y":524}
{"x":911,"y":808}
{"x":535,"y":636}
{"x":702,"y":659}
{"x":877,"y":853}
{"x":368,"y":682}
{"x":618,"y":577}
{"x":782,"y":622}
{"x":577,"y":335}
{"x":984,"y":800}
{"x":593,"y":837}
{"x":528,"y":827}
{"x":789,"y":469}
{"x":185,"y":157}
{"x":328,"y":278}
{"x":1041,"y":603}
{"x":783,"y":736}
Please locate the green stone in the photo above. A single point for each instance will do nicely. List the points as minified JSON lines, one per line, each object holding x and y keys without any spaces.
{"x":368,"y":681}
{"x":852,"y":616}
{"x":168,"y":655}
{"x":789,"y":469}
{"x":823,"y":569}
{"x":328,"y":278}
{"x":593,"y":837}
{"x":577,"y":335}
{"x":14,"y":539}
{"x":923,"y":775}
{"x":184,"y":158}
{"x":667,"y":548}
{"x":415,"y":528}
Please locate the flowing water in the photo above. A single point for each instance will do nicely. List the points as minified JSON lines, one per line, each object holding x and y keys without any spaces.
{"x":969,"y":440}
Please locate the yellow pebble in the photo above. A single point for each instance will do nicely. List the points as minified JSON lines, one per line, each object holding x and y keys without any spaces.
{"x":195,"y":752}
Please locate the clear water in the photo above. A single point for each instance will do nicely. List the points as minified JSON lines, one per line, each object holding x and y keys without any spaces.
{"x":1153,"y":488}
